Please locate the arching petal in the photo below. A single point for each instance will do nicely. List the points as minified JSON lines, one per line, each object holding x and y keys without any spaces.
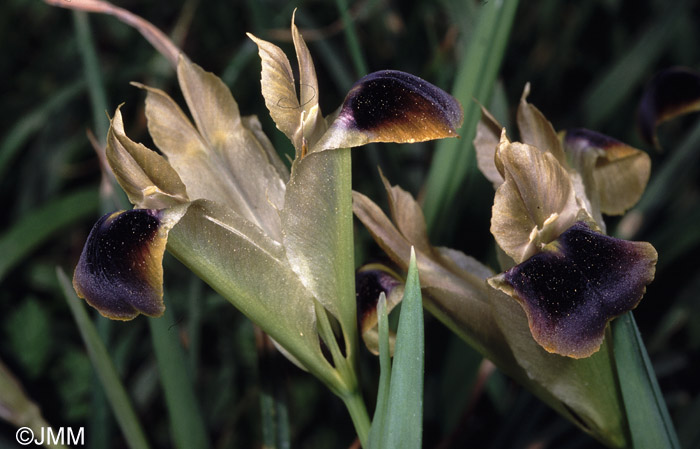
{"x":392,"y":106}
{"x":120,"y":270}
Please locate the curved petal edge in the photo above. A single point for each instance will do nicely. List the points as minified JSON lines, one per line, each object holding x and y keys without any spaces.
{"x":580,"y":282}
{"x":120,"y":270}
{"x":392,"y":106}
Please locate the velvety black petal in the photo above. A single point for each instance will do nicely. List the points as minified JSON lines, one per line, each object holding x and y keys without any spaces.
{"x":580,"y":282}
{"x":670,"y":93}
{"x":393,"y":106}
{"x":120,"y":270}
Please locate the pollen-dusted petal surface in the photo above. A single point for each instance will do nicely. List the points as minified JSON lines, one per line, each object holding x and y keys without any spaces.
{"x":615,"y":173}
{"x":120,"y":270}
{"x":580,"y":282}
{"x":670,"y":93}
{"x":392,"y":106}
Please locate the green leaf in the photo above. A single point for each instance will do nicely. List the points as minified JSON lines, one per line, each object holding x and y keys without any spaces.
{"x":101,"y":361}
{"x":39,"y":225}
{"x":186,"y":420}
{"x":454,"y":160}
{"x":649,"y":422}
{"x":382,"y":408}
{"x":404,"y":423}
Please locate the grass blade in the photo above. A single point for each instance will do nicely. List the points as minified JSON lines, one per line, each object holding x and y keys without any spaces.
{"x":91,"y":67}
{"x":101,"y":361}
{"x":404,"y":421}
{"x":353,"y":43}
{"x":454,"y":160}
{"x":37,"y":226}
{"x":382,"y":407}
{"x":186,"y":422}
{"x":649,"y":421}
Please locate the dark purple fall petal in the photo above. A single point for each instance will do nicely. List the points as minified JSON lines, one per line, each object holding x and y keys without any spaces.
{"x":580,"y":282}
{"x":670,"y":93}
{"x":120,"y":270}
{"x":369,"y":284}
{"x":393,"y":106}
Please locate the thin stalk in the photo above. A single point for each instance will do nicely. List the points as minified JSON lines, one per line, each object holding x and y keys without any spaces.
{"x":91,"y":68}
{"x":349,"y":391}
{"x":358,"y":413}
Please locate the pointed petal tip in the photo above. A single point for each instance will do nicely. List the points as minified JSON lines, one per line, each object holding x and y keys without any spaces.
{"x":577,"y":285}
{"x":393,"y":106}
{"x":119,"y":272}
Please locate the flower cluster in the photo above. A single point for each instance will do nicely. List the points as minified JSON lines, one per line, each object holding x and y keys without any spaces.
{"x":543,"y":320}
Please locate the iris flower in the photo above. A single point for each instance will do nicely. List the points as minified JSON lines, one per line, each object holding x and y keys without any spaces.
{"x":543,"y":320}
{"x":276,"y":243}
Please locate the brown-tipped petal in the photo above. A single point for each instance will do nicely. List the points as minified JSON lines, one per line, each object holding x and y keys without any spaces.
{"x":488,"y":134}
{"x":277,"y":81}
{"x":120,"y":272}
{"x":536,"y":130}
{"x":407,"y":215}
{"x":392,"y":106}
{"x":148,"y":179}
{"x":370,"y":282}
{"x":615,"y":174}
{"x":670,"y":93}
{"x":580,"y":282}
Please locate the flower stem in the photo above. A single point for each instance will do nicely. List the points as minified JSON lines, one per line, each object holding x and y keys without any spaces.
{"x":358,"y":413}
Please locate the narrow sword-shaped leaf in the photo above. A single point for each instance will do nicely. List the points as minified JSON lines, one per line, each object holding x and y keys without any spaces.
{"x":404,"y":423}
{"x":186,"y":420}
{"x":453,"y":159}
{"x":382,"y":408}
{"x":101,"y":361}
{"x":649,"y":422}
{"x":38,"y":225}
